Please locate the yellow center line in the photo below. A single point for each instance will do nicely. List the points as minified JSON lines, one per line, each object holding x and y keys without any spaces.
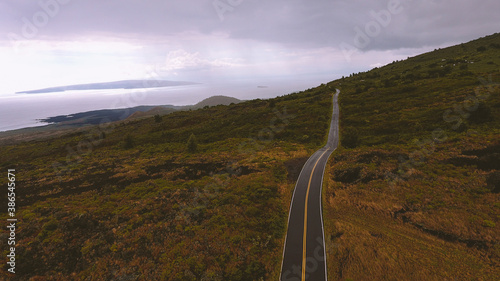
{"x":305,"y":221}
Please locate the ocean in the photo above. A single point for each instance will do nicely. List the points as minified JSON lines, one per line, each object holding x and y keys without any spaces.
{"x":25,"y":110}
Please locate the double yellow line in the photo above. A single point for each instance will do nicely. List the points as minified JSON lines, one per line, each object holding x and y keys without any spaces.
{"x":305,"y":220}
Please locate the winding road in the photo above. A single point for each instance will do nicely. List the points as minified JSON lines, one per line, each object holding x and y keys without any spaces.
{"x":304,"y":256}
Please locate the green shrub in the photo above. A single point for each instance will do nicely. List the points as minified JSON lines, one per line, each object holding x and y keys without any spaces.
{"x":192,"y":145}
{"x":482,"y":114}
{"x":128,"y":142}
{"x":350,"y":138}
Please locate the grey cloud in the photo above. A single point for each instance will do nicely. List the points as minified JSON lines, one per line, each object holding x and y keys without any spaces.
{"x":295,"y":23}
{"x":328,"y":23}
{"x":438,"y":22}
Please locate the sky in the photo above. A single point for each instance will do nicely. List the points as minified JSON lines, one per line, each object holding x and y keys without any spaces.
{"x":49,"y":43}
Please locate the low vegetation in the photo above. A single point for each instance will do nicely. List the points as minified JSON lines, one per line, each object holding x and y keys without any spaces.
{"x":192,"y":195}
{"x":415,"y":196}
{"x":411,"y":194}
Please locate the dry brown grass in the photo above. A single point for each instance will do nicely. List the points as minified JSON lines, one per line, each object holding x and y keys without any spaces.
{"x":426,"y":227}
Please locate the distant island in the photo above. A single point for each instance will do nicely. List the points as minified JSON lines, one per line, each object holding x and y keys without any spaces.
{"x":125,"y":84}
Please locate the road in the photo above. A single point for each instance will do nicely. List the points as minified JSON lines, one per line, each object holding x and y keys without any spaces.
{"x":304,"y":256}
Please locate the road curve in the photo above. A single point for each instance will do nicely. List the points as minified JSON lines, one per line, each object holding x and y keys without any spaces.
{"x":304,"y":256}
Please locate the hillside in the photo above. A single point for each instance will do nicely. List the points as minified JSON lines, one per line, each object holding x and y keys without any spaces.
{"x":73,"y":122}
{"x":128,"y":199}
{"x":412,"y":194}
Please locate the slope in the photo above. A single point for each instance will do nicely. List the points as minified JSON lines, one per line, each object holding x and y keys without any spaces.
{"x":128,"y":200}
{"x":413,"y":192}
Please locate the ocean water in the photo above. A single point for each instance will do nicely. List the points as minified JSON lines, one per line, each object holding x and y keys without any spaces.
{"x":25,"y":110}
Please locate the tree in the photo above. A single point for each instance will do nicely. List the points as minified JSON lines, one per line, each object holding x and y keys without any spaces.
{"x":192,"y":145}
{"x":481,"y":49}
{"x":128,"y":142}
{"x":157,"y":118}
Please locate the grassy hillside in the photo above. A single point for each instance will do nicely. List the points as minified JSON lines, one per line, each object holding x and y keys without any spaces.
{"x":132,"y":200}
{"x":413,"y":192}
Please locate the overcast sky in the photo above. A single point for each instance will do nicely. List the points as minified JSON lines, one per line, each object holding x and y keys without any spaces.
{"x":58,"y":42}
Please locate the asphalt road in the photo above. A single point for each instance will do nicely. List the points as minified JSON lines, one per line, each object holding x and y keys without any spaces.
{"x":304,"y":256}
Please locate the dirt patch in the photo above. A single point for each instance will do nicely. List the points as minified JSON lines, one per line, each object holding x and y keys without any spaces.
{"x":471,"y":243}
{"x":348,"y":175}
{"x":486,"y":159}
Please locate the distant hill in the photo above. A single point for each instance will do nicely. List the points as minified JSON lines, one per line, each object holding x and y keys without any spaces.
{"x":155,"y":110}
{"x":125,"y":84}
{"x":166,"y":109}
{"x":216,"y":100}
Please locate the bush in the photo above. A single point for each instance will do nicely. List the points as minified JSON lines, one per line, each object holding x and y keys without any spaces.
{"x":192,"y":145}
{"x":495,"y":45}
{"x":128,"y":142}
{"x":482,"y":114}
{"x":481,"y":49}
{"x":350,"y":138}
